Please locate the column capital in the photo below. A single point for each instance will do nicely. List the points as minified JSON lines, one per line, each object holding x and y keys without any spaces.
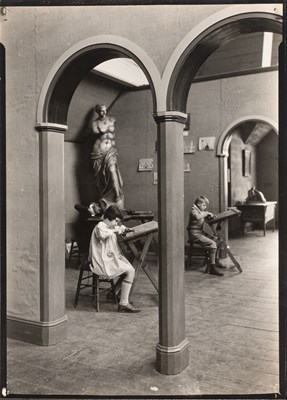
{"x":51,"y":127}
{"x":167,"y":116}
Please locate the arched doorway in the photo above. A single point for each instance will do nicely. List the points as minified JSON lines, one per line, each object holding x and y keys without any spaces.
{"x":259,"y":136}
{"x":52,"y":113}
{"x":181,"y":74}
{"x":201,"y":42}
{"x":246,"y":126}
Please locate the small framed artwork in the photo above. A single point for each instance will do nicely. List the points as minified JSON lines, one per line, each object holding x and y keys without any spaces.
{"x":189,"y":146}
{"x":145,"y":164}
{"x":186,"y":166}
{"x":206,"y":143}
{"x":246,"y":162}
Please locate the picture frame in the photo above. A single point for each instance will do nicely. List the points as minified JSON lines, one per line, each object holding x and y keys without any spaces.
{"x":188,"y":146}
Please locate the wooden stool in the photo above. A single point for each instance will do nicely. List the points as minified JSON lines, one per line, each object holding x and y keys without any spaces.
{"x":92,"y":281}
{"x":74,"y":252}
{"x":197,"y":251}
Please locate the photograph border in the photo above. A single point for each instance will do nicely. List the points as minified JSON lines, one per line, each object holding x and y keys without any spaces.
{"x":282,"y":197}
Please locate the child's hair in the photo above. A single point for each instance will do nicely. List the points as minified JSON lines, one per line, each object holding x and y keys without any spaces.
{"x":113,"y":212}
{"x":201,"y":199}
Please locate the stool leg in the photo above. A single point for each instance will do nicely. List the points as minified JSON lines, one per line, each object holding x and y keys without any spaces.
{"x":189,"y":257}
{"x":94,"y":283}
{"x":78,"y":287}
{"x":207,"y":269}
{"x":79,"y":258}
{"x":97,"y":293}
{"x":71,"y":252}
{"x":114,"y":292}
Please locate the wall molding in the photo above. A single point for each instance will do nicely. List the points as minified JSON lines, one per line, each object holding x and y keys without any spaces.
{"x":37,"y":332}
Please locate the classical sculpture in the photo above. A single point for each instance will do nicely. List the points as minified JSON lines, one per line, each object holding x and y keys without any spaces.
{"x":105,"y":160}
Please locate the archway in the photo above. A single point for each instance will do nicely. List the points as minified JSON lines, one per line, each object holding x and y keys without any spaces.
{"x":202,"y":41}
{"x":222,"y":150}
{"x":70,"y":68}
{"x":198,"y":45}
{"x":52,"y":113}
{"x":208,"y":36}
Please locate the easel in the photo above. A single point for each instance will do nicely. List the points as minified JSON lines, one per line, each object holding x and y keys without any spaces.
{"x":220,"y":220}
{"x":141,"y":232}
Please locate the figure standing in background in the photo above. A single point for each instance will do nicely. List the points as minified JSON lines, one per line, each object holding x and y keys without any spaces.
{"x":109,"y":182}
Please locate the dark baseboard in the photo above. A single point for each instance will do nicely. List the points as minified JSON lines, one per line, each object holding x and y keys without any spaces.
{"x":37,"y":332}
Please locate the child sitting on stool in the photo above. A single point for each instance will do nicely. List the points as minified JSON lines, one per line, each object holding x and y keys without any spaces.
{"x":106,"y":259}
{"x":196,"y":233}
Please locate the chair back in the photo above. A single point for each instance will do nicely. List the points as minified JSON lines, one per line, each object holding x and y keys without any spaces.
{"x":83,"y":228}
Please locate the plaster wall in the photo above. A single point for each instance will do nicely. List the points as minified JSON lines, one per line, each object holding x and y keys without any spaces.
{"x":267,"y":171}
{"x":242,"y":53}
{"x":212,"y":110}
{"x":140,"y":24}
{"x":22,"y":144}
{"x":241,"y":184}
{"x":79,"y":182}
{"x":213,"y":106}
{"x":135,"y":139}
{"x":35,"y":38}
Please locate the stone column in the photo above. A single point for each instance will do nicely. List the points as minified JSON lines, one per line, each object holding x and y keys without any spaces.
{"x":52,"y":234}
{"x":172,"y":352}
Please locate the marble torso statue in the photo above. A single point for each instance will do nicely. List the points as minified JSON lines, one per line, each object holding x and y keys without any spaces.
{"x":109,"y":182}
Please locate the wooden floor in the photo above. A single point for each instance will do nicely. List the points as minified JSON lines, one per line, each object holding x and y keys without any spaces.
{"x":231,"y":326}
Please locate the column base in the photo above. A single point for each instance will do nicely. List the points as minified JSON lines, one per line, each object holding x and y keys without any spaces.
{"x":172,"y":360}
{"x":37,"y":332}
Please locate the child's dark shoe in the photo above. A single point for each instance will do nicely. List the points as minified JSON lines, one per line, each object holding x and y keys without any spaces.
{"x":213,"y":271}
{"x":128,"y":308}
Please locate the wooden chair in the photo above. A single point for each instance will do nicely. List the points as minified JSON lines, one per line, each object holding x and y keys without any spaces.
{"x":79,"y":235}
{"x":74,"y":252}
{"x":197,"y":251}
{"x":71,"y":238}
{"x":88,"y":280}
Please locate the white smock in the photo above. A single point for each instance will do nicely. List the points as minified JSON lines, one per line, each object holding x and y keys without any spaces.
{"x":106,"y":259}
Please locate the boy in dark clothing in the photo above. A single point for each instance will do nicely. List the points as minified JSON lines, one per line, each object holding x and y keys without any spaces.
{"x":196,"y":233}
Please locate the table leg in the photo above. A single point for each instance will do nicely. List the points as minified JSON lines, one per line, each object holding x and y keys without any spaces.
{"x":140,"y":262}
{"x":136,"y":256}
{"x":228,"y":251}
{"x":151,"y":276}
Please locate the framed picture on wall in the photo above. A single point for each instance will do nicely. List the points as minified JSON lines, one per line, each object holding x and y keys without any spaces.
{"x":246,"y":162}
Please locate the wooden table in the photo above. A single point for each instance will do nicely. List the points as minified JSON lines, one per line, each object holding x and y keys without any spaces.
{"x":141,"y":234}
{"x":258,"y":212}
